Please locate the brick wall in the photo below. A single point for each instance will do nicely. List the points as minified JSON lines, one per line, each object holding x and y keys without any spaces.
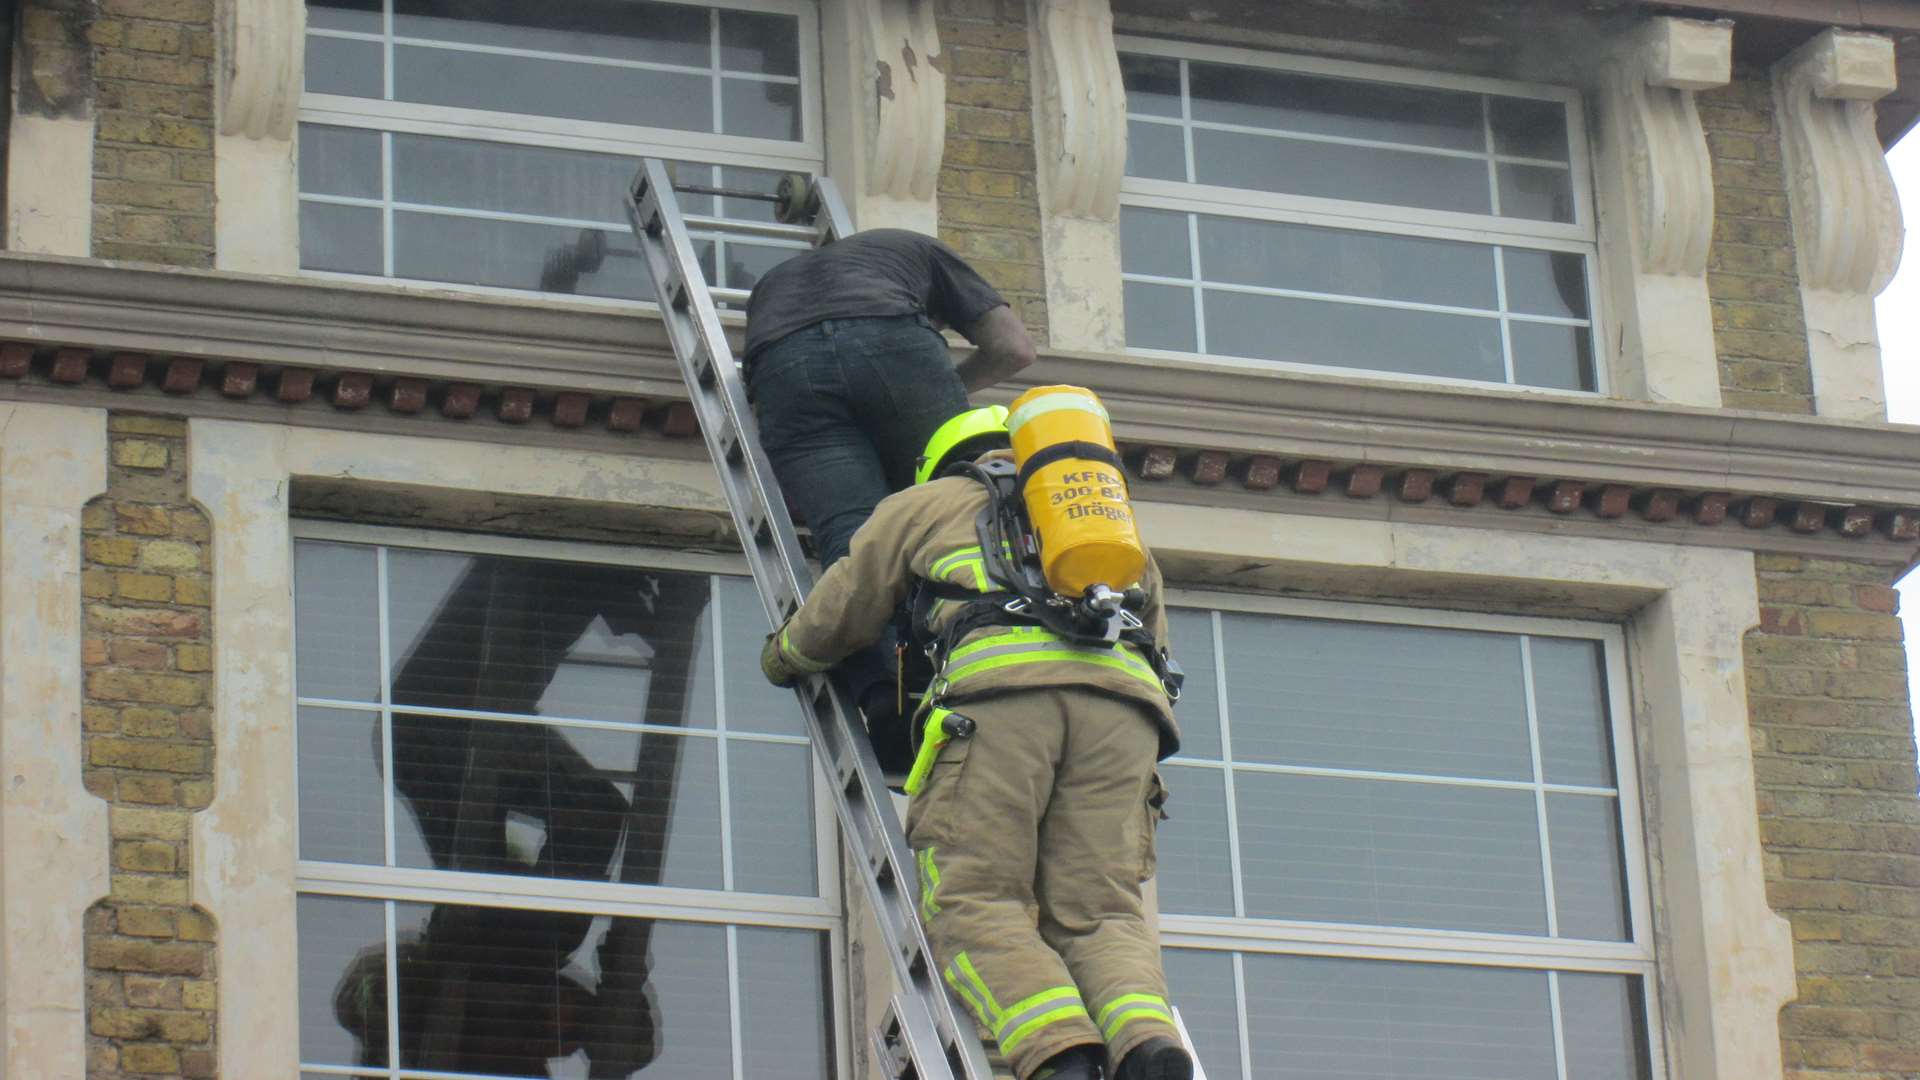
{"x":1751,"y":275}
{"x":989,"y":206}
{"x":153,"y":143}
{"x":149,"y":754}
{"x":1839,"y":819}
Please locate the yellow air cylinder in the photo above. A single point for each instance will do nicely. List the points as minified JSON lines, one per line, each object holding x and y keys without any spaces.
{"x":1077,"y":503}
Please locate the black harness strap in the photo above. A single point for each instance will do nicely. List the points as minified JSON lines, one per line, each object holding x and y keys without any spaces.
{"x":1079,"y":451}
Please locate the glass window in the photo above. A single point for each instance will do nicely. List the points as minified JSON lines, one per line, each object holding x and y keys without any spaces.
{"x":1403,"y":846}
{"x":524,"y":786}
{"x":491,"y":144}
{"x":1356,"y":219}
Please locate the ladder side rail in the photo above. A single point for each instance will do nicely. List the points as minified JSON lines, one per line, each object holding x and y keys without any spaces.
{"x":782,"y":578}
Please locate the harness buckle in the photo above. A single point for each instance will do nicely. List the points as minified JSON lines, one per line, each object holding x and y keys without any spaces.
{"x":1016,"y":606}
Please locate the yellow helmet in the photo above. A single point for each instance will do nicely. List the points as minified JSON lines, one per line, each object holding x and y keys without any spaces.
{"x":977,"y":430}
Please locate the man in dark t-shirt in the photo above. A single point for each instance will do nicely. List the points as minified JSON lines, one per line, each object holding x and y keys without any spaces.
{"x":849,"y":377}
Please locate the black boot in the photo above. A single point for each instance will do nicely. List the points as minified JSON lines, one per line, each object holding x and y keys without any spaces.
{"x":1073,"y":1063}
{"x":1159,"y":1058}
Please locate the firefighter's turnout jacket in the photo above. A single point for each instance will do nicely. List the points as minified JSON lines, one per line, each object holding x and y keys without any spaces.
{"x":1034,"y":834}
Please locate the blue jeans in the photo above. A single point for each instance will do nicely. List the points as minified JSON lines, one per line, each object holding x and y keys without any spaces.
{"x":845,"y":407}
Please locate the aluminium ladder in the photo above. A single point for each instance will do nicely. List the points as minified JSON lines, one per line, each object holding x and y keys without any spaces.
{"x":922,"y":1036}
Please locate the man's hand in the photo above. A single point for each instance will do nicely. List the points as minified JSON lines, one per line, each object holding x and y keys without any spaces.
{"x":774,"y":664}
{"x":1001,"y":348}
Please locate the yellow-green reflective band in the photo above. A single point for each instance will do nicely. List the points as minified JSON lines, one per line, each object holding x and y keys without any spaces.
{"x":981,"y":667}
{"x":1047,"y":403}
{"x":992,"y":1014}
{"x":799,"y":658}
{"x":945,"y":563}
{"x":1043,"y":1008}
{"x":1019,"y":1035}
{"x":979,"y":1009}
{"x":933,"y":736}
{"x":929,"y":881}
{"x":1127,"y":1008}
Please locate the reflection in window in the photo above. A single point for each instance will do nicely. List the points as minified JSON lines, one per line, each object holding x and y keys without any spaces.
{"x":1404,"y":789}
{"x":491,"y":144}
{"x":1351,"y":222}
{"x":558,"y":721}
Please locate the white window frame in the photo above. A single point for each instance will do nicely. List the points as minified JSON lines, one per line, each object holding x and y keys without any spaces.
{"x":1579,"y":237}
{"x":1239,"y":934}
{"x":823,"y":914}
{"x":388,"y":118}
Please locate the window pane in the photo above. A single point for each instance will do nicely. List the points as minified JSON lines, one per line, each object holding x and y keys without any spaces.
{"x":1546,"y":282}
{"x":1329,"y":1019}
{"x":1570,"y":698}
{"x":782,"y":972}
{"x":1526,"y":127}
{"x":1373,"y":696}
{"x":752,"y":704}
{"x":1283,"y":101}
{"x":343,"y":980}
{"x":361,"y":16}
{"x":1155,"y":242}
{"x":1589,"y":880}
{"x":1345,"y":262}
{"x":1557,"y":357}
{"x":1352,"y":336}
{"x":759,"y":43}
{"x":1605,"y":1027}
{"x":1156,"y":151}
{"x":337,"y":600}
{"x":1536,"y":193}
{"x":1390,"y":854}
{"x":609,"y":29}
{"x":476,"y":175}
{"x":1338,"y":171}
{"x":341,"y":793}
{"x":338,"y":66}
{"x":773,"y":834}
{"x":341,"y":239}
{"x":517,"y":255}
{"x":1153,"y":84}
{"x":760,"y":110}
{"x":1160,"y":317}
{"x":556,"y":88}
{"x":1201,"y":985}
{"x":1195,"y":871}
{"x":1199,"y":708}
{"x":339,"y":161}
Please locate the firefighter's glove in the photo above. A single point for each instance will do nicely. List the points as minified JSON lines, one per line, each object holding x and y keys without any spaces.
{"x":779,"y":669}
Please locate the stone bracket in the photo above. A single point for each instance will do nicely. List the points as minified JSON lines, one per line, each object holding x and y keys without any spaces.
{"x":1649,"y":97}
{"x":1081,"y":107}
{"x":1846,"y":217}
{"x":900,"y":65}
{"x":262,"y":66}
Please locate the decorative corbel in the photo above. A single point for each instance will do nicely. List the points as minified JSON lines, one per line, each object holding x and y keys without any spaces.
{"x":262,"y":66}
{"x":1846,"y":217}
{"x":1083,"y":109}
{"x":906,"y":129}
{"x":1649,"y":88}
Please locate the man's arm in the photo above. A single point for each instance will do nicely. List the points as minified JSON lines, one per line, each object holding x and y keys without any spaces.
{"x":1002,"y":347}
{"x":854,"y":600}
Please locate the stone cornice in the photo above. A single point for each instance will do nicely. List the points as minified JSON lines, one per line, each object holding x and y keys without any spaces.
{"x":173,"y":337}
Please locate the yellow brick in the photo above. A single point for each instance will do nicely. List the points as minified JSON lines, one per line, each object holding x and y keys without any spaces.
{"x":185,"y":1027}
{"x":191,"y":525}
{"x":112,"y":550}
{"x":151,"y":755}
{"x":195,"y":926}
{"x":193,"y":591}
{"x":196,"y":994}
{"x":142,"y":520}
{"x":147,"y":790}
{"x":144,"y":586}
{"x":144,"y":228}
{"x":139,"y":454}
{"x":145,"y":922}
{"x":193,"y":658}
{"x":195,"y":793}
{"x":169,"y":556}
{"x":153,"y":37}
{"x":99,"y":719}
{"x":121,"y":1023}
{"x":149,"y":1058}
{"x":151,"y":992}
{"x":149,"y":724}
{"x":134,"y":823}
{"x":152,"y":688}
{"x":96,"y":516}
{"x":145,"y":889}
{"x":96,"y":584}
{"x":147,"y":165}
{"x":138,"y":424}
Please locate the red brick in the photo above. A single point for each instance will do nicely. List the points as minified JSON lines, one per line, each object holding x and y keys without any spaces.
{"x":1658,"y":506}
{"x":1467,"y":489}
{"x":1758,"y":512}
{"x":1209,"y":467}
{"x":183,"y":375}
{"x":1711,"y":508}
{"x":1565,"y":496}
{"x":570,"y":409}
{"x":680,"y":421}
{"x":626,"y":414}
{"x":16,"y":360}
{"x":516,"y":405}
{"x":1877,"y":598}
{"x":295,"y":386}
{"x":69,"y":366}
{"x":127,"y":370}
{"x":1156,"y":463}
{"x":1515,"y":492}
{"x":1854,"y":521}
{"x":1613,"y":501}
{"x":1364,"y":481}
{"x":408,"y":395}
{"x":1311,"y":477}
{"x":1263,"y":473}
{"x":353,"y":390}
{"x":1808,"y":518}
{"x":1416,"y":485}
{"x":461,"y":401}
{"x":238,"y":379}
{"x":1901,"y":524}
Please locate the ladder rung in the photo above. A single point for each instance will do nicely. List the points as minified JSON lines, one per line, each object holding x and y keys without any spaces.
{"x":764,"y":230}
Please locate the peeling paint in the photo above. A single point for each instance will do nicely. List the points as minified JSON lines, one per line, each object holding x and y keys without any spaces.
{"x":883,"y":80}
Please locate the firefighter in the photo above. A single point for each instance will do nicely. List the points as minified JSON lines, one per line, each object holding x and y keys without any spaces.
{"x":1033,"y":821}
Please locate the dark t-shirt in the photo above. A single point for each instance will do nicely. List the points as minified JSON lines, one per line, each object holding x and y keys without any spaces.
{"x":877,"y":272}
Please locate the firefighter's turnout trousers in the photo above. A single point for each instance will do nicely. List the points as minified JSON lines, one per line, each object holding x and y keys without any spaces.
{"x":1033,"y":837}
